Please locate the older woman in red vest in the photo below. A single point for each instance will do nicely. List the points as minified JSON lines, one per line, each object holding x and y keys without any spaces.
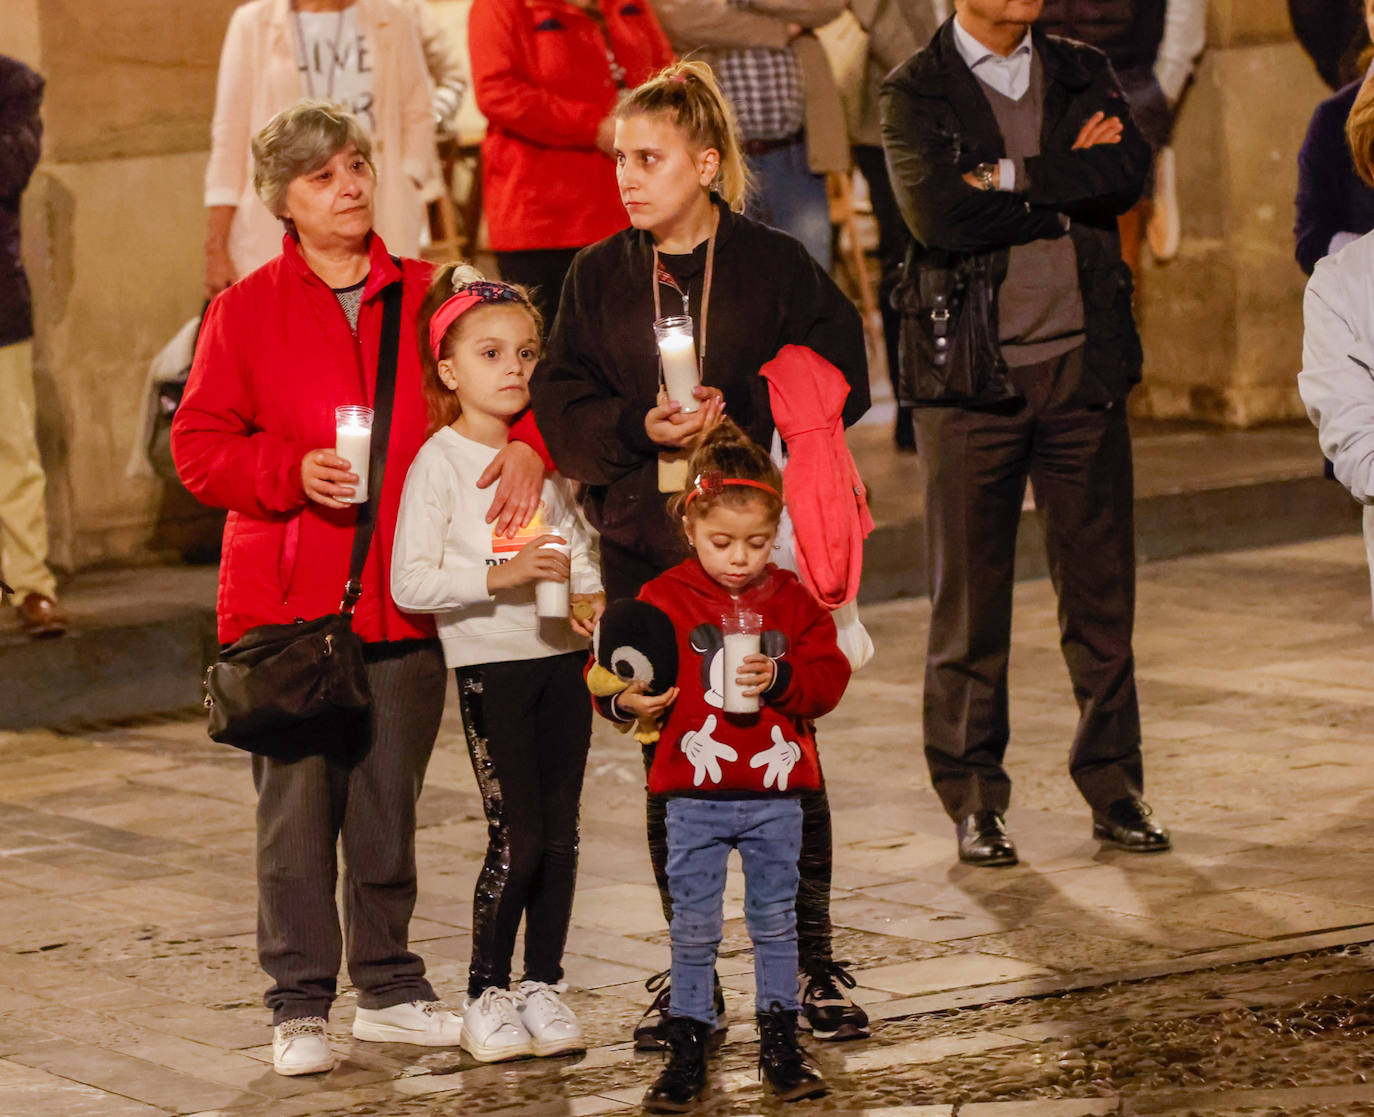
{"x":279,"y":350}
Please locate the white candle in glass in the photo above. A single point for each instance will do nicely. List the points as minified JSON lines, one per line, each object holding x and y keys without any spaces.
{"x":678,"y":351}
{"x":551,"y":599}
{"x":742,"y":636}
{"x":353,"y":443}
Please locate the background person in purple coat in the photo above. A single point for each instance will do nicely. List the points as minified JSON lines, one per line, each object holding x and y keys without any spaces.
{"x":1334,"y":206}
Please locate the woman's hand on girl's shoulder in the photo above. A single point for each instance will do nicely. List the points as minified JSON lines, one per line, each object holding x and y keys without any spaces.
{"x":668,"y":425}
{"x":326,"y":478}
{"x":535,"y":562}
{"x":519,"y":472}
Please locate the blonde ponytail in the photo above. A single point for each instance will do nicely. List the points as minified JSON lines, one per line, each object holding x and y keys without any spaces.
{"x":688,"y":93}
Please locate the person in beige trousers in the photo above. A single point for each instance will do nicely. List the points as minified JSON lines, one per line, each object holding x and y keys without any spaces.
{"x":23,"y":522}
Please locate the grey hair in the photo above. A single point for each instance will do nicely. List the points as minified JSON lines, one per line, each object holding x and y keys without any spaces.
{"x":301,"y":140}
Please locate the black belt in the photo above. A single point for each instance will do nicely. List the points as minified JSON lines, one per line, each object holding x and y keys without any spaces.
{"x":763,"y":147}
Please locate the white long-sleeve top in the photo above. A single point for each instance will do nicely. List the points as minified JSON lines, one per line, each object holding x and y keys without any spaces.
{"x":1337,"y":378}
{"x":444,"y":548}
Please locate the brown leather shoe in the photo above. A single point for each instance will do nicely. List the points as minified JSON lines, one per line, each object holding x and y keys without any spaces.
{"x":40,"y":617}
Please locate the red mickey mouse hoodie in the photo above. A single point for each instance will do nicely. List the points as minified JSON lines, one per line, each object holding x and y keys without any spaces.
{"x":705,"y":752}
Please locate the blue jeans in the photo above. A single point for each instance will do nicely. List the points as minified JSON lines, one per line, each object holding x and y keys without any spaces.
{"x":790,"y":196}
{"x":701,"y":833}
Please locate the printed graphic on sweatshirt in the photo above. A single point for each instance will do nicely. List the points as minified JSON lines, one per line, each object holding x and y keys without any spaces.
{"x":335,"y":61}
{"x":706,"y":754}
{"x":504,"y":548}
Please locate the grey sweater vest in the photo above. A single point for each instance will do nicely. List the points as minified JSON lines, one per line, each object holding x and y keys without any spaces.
{"x":1040,"y":307}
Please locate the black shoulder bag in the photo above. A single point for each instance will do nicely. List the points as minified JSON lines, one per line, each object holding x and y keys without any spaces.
{"x":948,"y":352}
{"x":290,"y":690}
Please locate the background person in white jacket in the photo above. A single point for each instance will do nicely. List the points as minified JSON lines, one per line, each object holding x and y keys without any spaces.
{"x":526,"y":712}
{"x":367,"y":56}
{"x":1337,"y":378}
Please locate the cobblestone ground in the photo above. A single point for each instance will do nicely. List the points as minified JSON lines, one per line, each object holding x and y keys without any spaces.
{"x":1255,"y":1038}
{"x":1215,"y":980}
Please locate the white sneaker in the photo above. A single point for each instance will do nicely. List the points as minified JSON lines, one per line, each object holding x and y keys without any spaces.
{"x":424,"y":1023}
{"x":301,"y":1046}
{"x":492,"y":1030}
{"x":553,"y":1028}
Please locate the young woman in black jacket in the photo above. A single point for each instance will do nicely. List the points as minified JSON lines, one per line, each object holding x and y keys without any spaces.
{"x":750,"y":290}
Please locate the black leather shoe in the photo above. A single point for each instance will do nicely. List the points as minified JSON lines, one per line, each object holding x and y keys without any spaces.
{"x":783,"y":1061}
{"x":1127,"y":825}
{"x":983,"y":840}
{"x":682,"y":1082}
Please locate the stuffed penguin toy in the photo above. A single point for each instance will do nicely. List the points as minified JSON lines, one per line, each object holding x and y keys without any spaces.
{"x":634,"y":642}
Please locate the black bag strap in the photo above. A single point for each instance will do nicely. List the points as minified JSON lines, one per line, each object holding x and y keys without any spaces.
{"x":387,"y":353}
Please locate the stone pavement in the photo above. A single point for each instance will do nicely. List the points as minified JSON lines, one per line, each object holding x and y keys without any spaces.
{"x":128,"y":980}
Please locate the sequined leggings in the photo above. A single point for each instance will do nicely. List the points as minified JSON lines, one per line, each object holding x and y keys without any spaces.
{"x":528,"y":725}
{"x":813,"y":894}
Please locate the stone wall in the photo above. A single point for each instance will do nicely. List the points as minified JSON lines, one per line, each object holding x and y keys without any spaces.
{"x":1222,"y":323}
{"x":114,"y":225}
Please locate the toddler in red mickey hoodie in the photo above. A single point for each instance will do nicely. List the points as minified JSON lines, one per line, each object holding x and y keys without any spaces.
{"x":732,"y":779}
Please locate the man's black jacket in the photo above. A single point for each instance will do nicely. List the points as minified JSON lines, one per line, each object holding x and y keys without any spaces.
{"x":938,"y":125}
{"x":21,"y":133}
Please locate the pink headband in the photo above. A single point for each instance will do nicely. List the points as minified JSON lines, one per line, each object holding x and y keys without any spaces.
{"x":458,"y":304}
{"x":446,"y":315}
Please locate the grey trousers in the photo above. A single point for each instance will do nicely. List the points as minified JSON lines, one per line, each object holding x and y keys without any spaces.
{"x":306,"y":806}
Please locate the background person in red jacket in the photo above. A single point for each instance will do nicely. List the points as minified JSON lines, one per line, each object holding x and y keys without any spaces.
{"x":547,"y":74}
{"x":279,"y":350}
{"x":733,"y":781}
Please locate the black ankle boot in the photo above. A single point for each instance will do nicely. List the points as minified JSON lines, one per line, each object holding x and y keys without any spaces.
{"x":683,"y":1080}
{"x":649,"y":1034}
{"x":783,"y":1060}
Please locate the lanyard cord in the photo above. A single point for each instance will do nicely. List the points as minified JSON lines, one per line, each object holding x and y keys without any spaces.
{"x":662,"y":275}
{"x":304,"y":54}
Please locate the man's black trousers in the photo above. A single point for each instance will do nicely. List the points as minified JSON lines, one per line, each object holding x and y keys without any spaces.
{"x":1078,"y":459}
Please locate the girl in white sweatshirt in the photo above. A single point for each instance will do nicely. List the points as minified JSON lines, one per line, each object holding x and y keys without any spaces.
{"x":526,"y":713}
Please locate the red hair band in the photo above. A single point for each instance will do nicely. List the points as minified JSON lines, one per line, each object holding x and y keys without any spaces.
{"x":711,"y":484}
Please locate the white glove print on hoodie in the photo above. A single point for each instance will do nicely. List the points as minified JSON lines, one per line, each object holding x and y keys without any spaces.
{"x":781,"y":759}
{"x":705,"y":752}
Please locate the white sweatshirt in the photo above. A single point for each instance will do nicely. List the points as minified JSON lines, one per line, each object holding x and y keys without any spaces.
{"x":444,"y":548}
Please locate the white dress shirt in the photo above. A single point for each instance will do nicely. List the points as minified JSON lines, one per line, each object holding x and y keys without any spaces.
{"x":1009,"y":75}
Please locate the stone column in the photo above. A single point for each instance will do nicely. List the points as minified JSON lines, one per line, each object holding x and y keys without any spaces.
{"x":1222,"y":323}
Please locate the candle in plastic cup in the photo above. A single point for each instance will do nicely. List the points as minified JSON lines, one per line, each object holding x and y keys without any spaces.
{"x":551,"y":598}
{"x":742,"y":638}
{"x":678,"y":351}
{"x":353,"y":443}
